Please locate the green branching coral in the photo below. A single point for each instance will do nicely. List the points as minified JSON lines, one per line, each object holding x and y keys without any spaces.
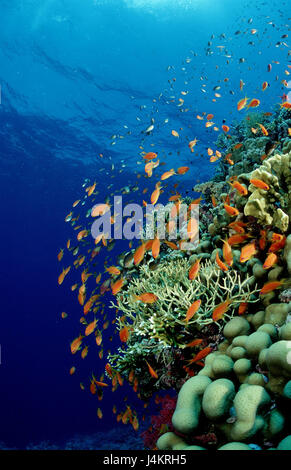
{"x":164,"y":320}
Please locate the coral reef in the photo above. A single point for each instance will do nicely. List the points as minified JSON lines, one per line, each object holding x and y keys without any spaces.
{"x":242,"y":395}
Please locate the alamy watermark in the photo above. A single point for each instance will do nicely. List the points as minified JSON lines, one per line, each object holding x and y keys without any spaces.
{"x":174,"y":222}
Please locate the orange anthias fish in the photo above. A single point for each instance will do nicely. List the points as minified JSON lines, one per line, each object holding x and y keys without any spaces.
{"x":242,"y":308}
{"x":260,"y":184}
{"x":116,"y":287}
{"x":220,"y":264}
{"x":193,"y":272}
{"x":156,"y":247}
{"x":277,"y":245}
{"x":201,"y":355}
{"x":263,"y":129}
{"x":182,"y":170}
{"x":168,"y":174}
{"x":193,"y":309}
{"x":271,"y":259}
{"x":225,"y":128}
{"x":240,"y":188}
{"x":63,"y":275}
{"x":270,"y":286}
{"x":113,"y":270}
{"x":265,"y":86}
{"x":91,"y":327}
{"x":194,"y":343}
{"x":254,"y":103}
{"x":60,"y":254}
{"x":147,"y":298}
{"x":220,"y":310}
{"x":237,"y":239}
{"x":139,"y":254}
{"x":227,"y":253}
{"x":152,"y":372}
{"x":100,"y":209}
{"x":150,"y":156}
{"x":232,"y":211}
{"x":286,"y":105}
{"x":75,"y":345}
{"x":242,"y":104}
{"x":156,"y":194}
{"x":124,"y":334}
{"x":248,"y":251}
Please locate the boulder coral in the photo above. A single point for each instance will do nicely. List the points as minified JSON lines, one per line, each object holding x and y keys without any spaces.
{"x":243,"y":398}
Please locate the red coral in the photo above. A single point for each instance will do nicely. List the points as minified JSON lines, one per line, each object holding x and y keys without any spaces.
{"x":160,"y":423}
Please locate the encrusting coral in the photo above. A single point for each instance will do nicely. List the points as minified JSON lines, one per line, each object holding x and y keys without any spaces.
{"x":271,"y":207}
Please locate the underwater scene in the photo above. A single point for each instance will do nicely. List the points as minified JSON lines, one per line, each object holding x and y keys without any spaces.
{"x":145,"y":179}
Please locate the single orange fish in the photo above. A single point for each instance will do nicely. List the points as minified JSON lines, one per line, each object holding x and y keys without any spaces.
{"x":139,"y":254}
{"x":201,"y":355}
{"x":254,"y":103}
{"x":182,"y":170}
{"x":193,"y":272}
{"x":220,"y":264}
{"x":91,"y":327}
{"x":168,"y":174}
{"x":237,"y":239}
{"x":113,"y":270}
{"x":248,"y":251}
{"x":147,"y":298}
{"x":171,"y":245}
{"x":225,"y":128}
{"x":263,"y":129}
{"x":259,"y":184}
{"x":116,"y":287}
{"x":156,"y":247}
{"x":286,"y":105}
{"x":150,"y":156}
{"x":124,"y":334}
{"x":220,"y":310}
{"x":227,"y":253}
{"x":232,"y":211}
{"x":265,"y":86}
{"x":270,"y":286}
{"x":63,"y":275}
{"x":237,"y":146}
{"x":242,"y":103}
{"x":152,"y":372}
{"x":242,"y":308}
{"x":195,"y":342}
{"x":156,"y":194}
{"x":240,"y":188}
{"x":193,"y":309}
{"x":75,"y":344}
{"x":277,"y":245}
{"x":271,"y":259}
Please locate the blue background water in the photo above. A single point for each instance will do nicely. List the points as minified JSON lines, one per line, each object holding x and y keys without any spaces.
{"x":72,"y":74}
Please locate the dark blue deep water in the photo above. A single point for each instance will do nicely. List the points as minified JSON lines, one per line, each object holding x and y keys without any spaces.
{"x":73,"y":73}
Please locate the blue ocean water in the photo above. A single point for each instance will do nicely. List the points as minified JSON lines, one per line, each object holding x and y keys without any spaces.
{"x":73,"y":74}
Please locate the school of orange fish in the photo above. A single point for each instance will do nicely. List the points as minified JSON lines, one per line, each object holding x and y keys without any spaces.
{"x":92,"y":285}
